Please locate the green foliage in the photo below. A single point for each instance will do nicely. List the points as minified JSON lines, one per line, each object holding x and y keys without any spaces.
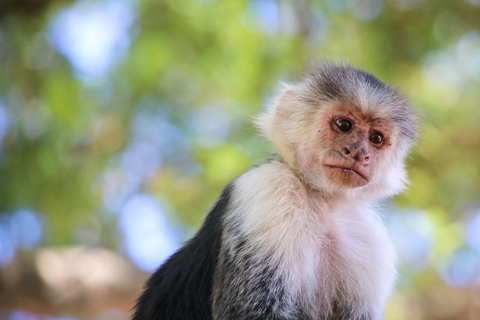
{"x":188,"y":56}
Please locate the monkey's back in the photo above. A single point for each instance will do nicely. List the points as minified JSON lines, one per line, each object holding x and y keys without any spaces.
{"x":182,"y":287}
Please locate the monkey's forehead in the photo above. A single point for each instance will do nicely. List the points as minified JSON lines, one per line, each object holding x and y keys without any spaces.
{"x":355,"y":89}
{"x":344,"y":83}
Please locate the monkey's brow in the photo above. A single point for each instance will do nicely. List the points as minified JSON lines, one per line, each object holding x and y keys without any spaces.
{"x":375,"y":119}
{"x":370,"y":116}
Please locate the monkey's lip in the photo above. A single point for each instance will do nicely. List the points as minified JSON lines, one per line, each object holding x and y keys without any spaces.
{"x":347,"y":169}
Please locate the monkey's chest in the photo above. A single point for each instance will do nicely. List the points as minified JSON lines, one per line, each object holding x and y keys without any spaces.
{"x":355,"y":265}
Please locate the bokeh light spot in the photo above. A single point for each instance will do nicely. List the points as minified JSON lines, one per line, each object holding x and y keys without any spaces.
{"x":4,"y":122}
{"x":149,"y":240}
{"x":367,"y":9}
{"x":473,"y":233}
{"x":211,"y":126}
{"x":93,"y":34}
{"x":468,"y":54}
{"x":412,"y":233}
{"x":7,"y":245}
{"x":23,"y":315}
{"x":266,"y":14}
{"x":463,"y":269}
{"x":441,"y":69}
{"x":28,"y":228}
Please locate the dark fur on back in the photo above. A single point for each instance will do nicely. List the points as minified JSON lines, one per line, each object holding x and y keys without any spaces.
{"x":181,"y":288}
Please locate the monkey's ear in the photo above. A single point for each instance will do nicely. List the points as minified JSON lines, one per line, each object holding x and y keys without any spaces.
{"x":280,"y":122}
{"x":275,"y":111}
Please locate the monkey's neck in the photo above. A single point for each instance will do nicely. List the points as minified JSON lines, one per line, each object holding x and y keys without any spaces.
{"x":292,"y":165}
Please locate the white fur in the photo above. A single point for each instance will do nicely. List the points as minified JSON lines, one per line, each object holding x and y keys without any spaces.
{"x":324,"y":239}
{"x":323,"y":247}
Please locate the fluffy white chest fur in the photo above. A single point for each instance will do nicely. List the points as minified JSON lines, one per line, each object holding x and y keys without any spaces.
{"x":326,"y":252}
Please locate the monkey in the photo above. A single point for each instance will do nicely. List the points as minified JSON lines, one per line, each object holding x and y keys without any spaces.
{"x":298,"y":236}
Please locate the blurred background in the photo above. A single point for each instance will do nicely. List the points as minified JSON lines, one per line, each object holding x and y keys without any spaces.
{"x":122,"y":120}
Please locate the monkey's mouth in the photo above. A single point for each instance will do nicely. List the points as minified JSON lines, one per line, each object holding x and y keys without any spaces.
{"x":347,"y":170}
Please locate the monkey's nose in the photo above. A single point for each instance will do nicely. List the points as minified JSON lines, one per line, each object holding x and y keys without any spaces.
{"x":364,"y":159}
{"x":360,"y":155}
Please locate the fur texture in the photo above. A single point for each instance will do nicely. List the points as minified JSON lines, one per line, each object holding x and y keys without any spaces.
{"x":289,"y":239}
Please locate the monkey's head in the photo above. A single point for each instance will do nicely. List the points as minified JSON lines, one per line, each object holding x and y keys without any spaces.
{"x":343,"y":131}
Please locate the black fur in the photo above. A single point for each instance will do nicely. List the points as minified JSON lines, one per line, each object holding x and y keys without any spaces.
{"x":181,"y":288}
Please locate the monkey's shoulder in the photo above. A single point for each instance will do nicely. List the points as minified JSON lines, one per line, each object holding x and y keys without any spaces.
{"x":267,"y":200}
{"x":270,"y":182}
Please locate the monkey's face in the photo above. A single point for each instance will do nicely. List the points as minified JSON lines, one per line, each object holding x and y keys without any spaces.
{"x":356,"y":143}
{"x":343,"y":132}
{"x":348,"y":148}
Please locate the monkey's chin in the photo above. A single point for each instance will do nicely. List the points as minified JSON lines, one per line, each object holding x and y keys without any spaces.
{"x":345,"y":177}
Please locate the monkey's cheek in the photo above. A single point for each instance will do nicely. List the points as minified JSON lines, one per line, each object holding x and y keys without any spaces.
{"x":345,"y":178}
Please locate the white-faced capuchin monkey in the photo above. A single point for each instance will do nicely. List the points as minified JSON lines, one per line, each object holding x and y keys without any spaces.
{"x":298,"y":237}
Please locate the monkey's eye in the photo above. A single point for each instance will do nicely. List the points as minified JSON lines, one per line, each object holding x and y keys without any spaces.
{"x":344,"y":125}
{"x":376,"y":138}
